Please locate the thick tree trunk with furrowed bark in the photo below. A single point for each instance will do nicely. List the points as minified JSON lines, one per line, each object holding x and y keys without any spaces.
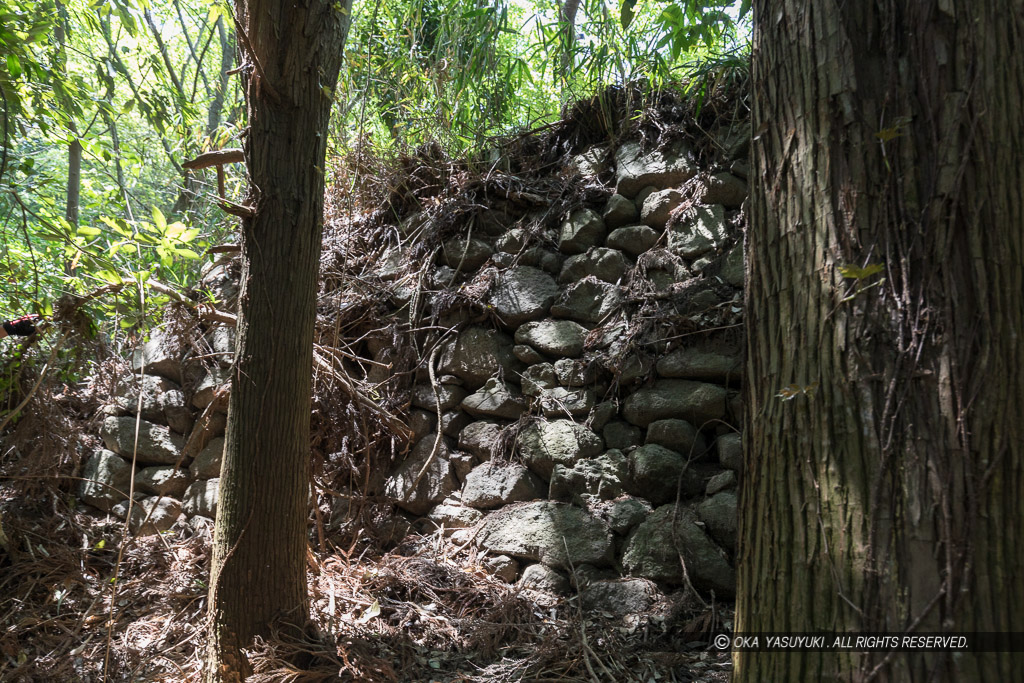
{"x":885,"y":439}
{"x":291,"y":52}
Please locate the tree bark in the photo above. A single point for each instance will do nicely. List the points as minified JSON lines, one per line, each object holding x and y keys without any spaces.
{"x":292,"y":54}
{"x":884,"y":454}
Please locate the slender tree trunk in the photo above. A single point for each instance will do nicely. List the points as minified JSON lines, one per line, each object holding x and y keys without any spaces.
{"x":227,"y":60}
{"x":567,"y":15}
{"x":74,"y":192}
{"x":155,"y":30}
{"x":292,"y":54}
{"x":214,"y":115}
{"x":884,"y":456}
{"x":74,"y":185}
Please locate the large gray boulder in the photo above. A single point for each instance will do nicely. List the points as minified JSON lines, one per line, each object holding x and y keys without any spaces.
{"x":482,"y":439}
{"x":495,"y":399}
{"x":696,"y":402}
{"x":222,"y":342}
{"x":563,"y":402}
{"x":660,"y":475}
{"x":468,"y":254}
{"x":730,"y":451}
{"x":163,"y":401}
{"x":677,"y":435}
{"x":602,"y":477}
{"x":449,"y":395}
{"x":624,"y":513}
{"x":162,"y":480}
{"x":215,"y":378}
{"x":588,"y":301}
{"x":636,"y":169}
{"x":161,"y":355}
{"x":491,"y":485}
{"x":726,"y":479}
{"x":618,"y":598}
{"x":699,"y":230}
{"x":478,"y":354}
{"x":157,"y":444}
{"x":654,"y":548}
{"x":438,"y":481}
{"x":604,"y":264}
{"x":556,"y":534}
{"x":554,"y":337}
{"x":106,"y":478}
{"x":576,"y":373}
{"x":619,"y":211}
{"x":542,"y":445}
{"x":621,"y":435}
{"x":154,"y":515}
{"x":201,"y":498}
{"x":721,"y":188}
{"x":710,"y":364}
{"x":658,"y":207}
{"x":592,"y":162}
{"x":540,"y":577}
{"x":633,"y":239}
{"x":733,"y":267}
{"x":521,"y":294}
{"x":207,"y":463}
{"x":512,"y":242}
{"x":584,"y":229}
{"x":452,"y":515}
{"x":719,"y":516}
{"x":502,"y":567}
{"x":537,"y":378}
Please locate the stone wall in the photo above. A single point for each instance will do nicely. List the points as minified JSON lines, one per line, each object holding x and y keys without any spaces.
{"x":588,"y":423}
{"x":169,"y":398}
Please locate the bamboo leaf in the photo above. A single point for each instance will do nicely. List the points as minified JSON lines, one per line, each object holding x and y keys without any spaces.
{"x":857,"y":273}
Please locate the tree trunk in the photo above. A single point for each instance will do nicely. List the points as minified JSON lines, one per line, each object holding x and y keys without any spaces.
{"x":227,"y":60}
{"x":74,"y":186}
{"x":567,"y":17}
{"x":292,"y":53}
{"x":74,"y":192}
{"x":884,"y":455}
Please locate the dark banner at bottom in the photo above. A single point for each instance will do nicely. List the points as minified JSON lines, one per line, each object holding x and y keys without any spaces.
{"x":870,"y":642}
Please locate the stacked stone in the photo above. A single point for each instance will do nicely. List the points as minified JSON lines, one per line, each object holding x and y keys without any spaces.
{"x":550,"y":458}
{"x":166,"y":485}
{"x":558,"y":463}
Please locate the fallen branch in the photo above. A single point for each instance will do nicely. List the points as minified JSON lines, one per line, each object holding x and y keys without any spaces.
{"x":206,"y":312}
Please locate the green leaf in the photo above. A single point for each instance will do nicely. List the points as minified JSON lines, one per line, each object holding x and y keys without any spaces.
{"x":14,"y":65}
{"x":857,"y":273}
{"x":88,"y":231}
{"x":626,"y":13}
{"x":110,"y":276}
{"x":118,"y":225}
{"x":158,"y":218}
{"x":187,"y":253}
